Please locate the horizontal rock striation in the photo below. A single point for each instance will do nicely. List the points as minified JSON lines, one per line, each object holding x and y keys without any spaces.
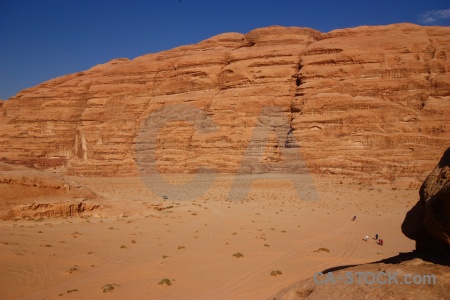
{"x":376,"y":99}
{"x":366,"y":102}
{"x":30,"y":193}
{"x":69,"y":208}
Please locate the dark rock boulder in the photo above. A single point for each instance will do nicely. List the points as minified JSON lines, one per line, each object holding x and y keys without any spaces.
{"x":428,"y":222}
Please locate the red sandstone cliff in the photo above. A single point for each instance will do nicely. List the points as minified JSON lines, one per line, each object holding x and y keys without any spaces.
{"x":366,"y":101}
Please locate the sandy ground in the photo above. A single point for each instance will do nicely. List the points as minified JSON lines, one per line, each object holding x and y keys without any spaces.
{"x":126,"y":249}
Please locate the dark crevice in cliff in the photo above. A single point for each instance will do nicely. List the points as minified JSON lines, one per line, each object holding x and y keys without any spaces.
{"x":291,"y":141}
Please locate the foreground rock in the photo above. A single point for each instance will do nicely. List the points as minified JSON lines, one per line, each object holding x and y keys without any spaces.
{"x":367,"y":102}
{"x":428,"y":222}
{"x":28,"y":193}
{"x":430,"y":288}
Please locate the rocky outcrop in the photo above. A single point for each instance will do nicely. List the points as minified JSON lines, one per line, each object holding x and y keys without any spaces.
{"x":428,"y":222}
{"x":365,"y":102}
{"x":25,"y":192}
{"x":68,"y":208}
{"x":390,"y":280}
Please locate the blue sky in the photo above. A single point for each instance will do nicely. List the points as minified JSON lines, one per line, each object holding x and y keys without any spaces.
{"x":43,"y":39}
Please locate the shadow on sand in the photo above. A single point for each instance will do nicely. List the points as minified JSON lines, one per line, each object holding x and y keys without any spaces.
{"x":402,"y":257}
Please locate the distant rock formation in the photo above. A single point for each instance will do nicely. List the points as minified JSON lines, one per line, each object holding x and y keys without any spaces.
{"x":367,"y":102}
{"x":428,"y":222}
{"x":29,"y":193}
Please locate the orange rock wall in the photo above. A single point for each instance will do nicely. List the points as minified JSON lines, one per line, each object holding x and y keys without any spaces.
{"x":366,"y":102}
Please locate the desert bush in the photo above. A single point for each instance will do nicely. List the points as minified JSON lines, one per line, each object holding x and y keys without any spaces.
{"x":276,"y":273}
{"x":72,"y":269}
{"x":322,"y":250}
{"x":165,"y":281}
{"x":107,"y":288}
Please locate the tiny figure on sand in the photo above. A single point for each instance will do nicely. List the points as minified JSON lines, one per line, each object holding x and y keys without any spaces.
{"x":354,"y":218}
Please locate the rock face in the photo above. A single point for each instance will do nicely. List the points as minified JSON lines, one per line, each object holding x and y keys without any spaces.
{"x":366,"y":102}
{"x":428,"y":222}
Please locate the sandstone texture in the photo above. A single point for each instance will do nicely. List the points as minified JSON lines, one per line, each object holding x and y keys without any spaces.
{"x":368,"y":102}
{"x":32,"y":193}
{"x":342,"y":289}
{"x":428,"y":222}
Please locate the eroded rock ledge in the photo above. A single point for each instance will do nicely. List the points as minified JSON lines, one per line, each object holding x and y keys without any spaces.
{"x":30,"y":193}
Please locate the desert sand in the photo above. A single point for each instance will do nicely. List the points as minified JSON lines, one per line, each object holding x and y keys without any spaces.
{"x":363,"y":110}
{"x":128,"y":246}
